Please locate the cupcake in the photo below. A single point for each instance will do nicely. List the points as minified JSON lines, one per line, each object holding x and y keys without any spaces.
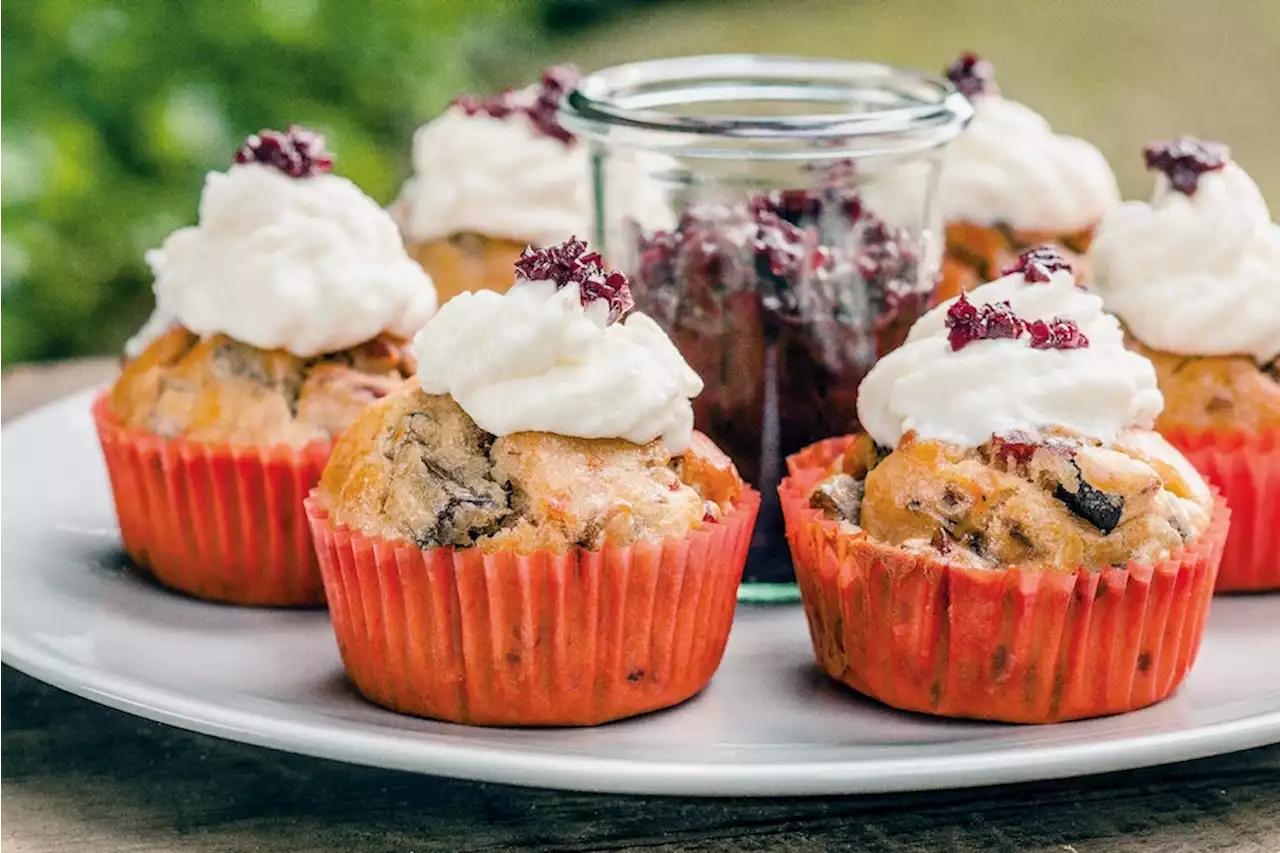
{"x":531,"y":533}
{"x":1195,"y":277}
{"x":1010,"y":183}
{"x":1008,"y":540}
{"x":283,"y":313}
{"x":494,"y":175}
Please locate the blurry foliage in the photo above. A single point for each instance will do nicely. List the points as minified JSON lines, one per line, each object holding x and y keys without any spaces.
{"x":113,"y":113}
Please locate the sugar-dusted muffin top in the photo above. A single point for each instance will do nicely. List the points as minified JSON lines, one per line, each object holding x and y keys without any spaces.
{"x":1055,"y":501}
{"x":216,"y":389}
{"x":415,"y":467}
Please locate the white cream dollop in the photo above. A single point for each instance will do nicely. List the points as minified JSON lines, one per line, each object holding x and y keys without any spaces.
{"x":1197,"y":275}
{"x":1009,"y":166}
{"x":502,"y":178}
{"x":994,"y":386}
{"x":309,"y":265}
{"x":535,"y":360}
{"x":1057,"y":297}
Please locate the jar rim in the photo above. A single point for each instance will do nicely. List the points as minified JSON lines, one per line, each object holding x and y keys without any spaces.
{"x":927,"y":108}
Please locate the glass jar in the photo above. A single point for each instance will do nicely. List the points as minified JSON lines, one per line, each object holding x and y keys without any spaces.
{"x":777,"y":216}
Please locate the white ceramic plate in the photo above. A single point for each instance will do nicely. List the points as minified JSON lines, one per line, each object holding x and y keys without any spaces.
{"x":78,"y":617}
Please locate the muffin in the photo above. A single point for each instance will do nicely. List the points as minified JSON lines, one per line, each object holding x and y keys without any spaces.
{"x":494,"y":175}
{"x":1195,"y":277}
{"x":1010,"y":183}
{"x":1008,"y":540}
{"x":280,"y":316}
{"x":531,"y":533}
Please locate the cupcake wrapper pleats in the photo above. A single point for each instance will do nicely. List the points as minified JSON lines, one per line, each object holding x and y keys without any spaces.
{"x":546,"y":639}
{"x":1245,"y":467}
{"x":219,"y":522}
{"x":922,"y":634}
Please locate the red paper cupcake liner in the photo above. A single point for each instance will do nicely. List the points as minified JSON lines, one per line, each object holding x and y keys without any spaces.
{"x":1015,"y":645}
{"x":540,"y":640}
{"x":1245,"y":467}
{"x":216,"y":521}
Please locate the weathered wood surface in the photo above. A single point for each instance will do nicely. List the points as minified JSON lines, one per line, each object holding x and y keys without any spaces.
{"x":81,"y":777}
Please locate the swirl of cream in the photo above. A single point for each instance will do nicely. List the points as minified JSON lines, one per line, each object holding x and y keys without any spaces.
{"x":996,"y":386}
{"x":535,"y":360}
{"x":309,"y":265}
{"x":1198,"y":274}
{"x":500,"y":177}
{"x":1057,"y":297}
{"x":1009,"y":166}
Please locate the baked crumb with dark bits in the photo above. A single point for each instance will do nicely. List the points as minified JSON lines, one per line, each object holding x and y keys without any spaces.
{"x":1050,"y":500}
{"x":416,"y":468}
{"x":216,"y":389}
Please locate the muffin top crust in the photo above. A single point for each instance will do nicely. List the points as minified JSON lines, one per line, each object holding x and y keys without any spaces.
{"x":415,"y":467}
{"x":1012,"y":429}
{"x":217,"y":389}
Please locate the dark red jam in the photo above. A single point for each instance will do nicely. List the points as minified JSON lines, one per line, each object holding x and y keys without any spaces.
{"x":972,"y":75}
{"x":782,"y":303}
{"x":572,"y":263}
{"x":1038,"y":264}
{"x":297,"y":152}
{"x":1184,"y":160}
{"x":541,"y":106}
{"x":1058,"y":333}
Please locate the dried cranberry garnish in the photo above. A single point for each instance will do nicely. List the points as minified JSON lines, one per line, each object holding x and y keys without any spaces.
{"x":967,"y":322}
{"x":541,"y":106}
{"x":1018,"y":447}
{"x":571,"y":263}
{"x":297,"y":152}
{"x":1058,"y":333}
{"x":1185,"y":159}
{"x":1038,"y":264}
{"x":972,"y":75}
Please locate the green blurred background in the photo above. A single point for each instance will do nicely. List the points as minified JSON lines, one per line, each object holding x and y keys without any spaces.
{"x":115,"y":110}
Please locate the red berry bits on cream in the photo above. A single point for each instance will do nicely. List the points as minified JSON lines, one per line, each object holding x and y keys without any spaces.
{"x":1058,"y":333}
{"x":297,"y":152}
{"x":972,"y":75}
{"x":1038,"y":264}
{"x":967,"y":323}
{"x":540,"y":103}
{"x":1185,"y":159}
{"x":572,"y":263}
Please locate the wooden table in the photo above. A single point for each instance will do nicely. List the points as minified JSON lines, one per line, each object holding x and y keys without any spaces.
{"x":82,"y":777}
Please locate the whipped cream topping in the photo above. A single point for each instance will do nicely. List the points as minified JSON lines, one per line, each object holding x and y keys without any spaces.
{"x":1009,"y":166}
{"x":987,"y":387}
{"x":310,"y":265}
{"x":1195,"y":274}
{"x":500,"y":177}
{"x":536,"y":360}
{"x":1057,"y":297}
